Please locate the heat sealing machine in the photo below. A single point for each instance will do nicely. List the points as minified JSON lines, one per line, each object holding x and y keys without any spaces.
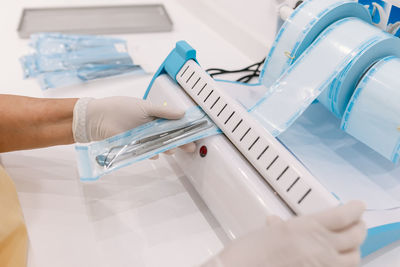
{"x":319,"y":128}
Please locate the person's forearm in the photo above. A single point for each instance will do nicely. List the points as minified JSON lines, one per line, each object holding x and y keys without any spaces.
{"x":35,"y":122}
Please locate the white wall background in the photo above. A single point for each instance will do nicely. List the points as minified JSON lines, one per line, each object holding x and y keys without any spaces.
{"x":250,"y":25}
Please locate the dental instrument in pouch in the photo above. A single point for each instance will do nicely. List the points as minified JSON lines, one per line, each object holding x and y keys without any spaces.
{"x":149,"y":143}
{"x":68,"y":64}
{"x":105,"y":71}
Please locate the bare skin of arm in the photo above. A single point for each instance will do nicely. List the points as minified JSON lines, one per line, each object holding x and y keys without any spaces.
{"x":27,"y":123}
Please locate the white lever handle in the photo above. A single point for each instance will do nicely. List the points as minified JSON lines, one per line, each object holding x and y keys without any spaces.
{"x":286,"y":175}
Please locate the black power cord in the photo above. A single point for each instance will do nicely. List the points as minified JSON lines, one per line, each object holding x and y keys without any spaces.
{"x":253,"y":71}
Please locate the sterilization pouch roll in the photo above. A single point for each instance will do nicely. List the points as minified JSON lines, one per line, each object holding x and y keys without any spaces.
{"x":331,"y":62}
{"x":301,"y":29}
{"x":373,"y":114}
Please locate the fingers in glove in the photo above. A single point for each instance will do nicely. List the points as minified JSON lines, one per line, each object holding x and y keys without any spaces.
{"x":155,"y":157}
{"x":189,"y":148}
{"x":170,"y":152}
{"x":350,"y":259}
{"x":351,"y":238}
{"x":341,"y":217}
{"x":163,"y":111}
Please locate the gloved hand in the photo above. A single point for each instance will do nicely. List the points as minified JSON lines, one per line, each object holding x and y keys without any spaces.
{"x":326,"y":239}
{"x":98,"y":119}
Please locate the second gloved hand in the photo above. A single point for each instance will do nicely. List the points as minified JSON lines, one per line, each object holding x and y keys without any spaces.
{"x":326,"y":239}
{"x":98,"y":119}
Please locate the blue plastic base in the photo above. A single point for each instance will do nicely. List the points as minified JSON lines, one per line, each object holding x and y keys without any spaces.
{"x":379,"y":237}
{"x":174,"y":62}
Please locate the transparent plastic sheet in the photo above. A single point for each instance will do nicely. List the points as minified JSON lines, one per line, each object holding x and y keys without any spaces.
{"x":245,"y":94}
{"x":56,"y":43}
{"x":373,"y":116}
{"x":143,"y":142}
{"x":340,"y":162}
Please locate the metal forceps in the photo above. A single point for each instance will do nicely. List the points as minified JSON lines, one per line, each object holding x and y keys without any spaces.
{"x":141,"y":146}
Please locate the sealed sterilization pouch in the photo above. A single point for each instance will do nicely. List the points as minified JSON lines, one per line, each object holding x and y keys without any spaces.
{"x":28,"y":64}
{"x":55,"y":43}
{"x":35,"y":64}
{"x":57,"y":79}
{"x":62,"y":60}
{"x":143,"y":142}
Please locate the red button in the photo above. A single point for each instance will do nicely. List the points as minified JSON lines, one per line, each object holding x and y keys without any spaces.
{"x":203,"y":151}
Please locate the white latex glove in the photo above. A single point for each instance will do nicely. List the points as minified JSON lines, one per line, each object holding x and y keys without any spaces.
{"x":98,"y":119}
{"x":326,"y":239}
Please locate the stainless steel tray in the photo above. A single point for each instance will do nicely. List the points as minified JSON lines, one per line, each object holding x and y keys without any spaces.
{"x":95,"y":20}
